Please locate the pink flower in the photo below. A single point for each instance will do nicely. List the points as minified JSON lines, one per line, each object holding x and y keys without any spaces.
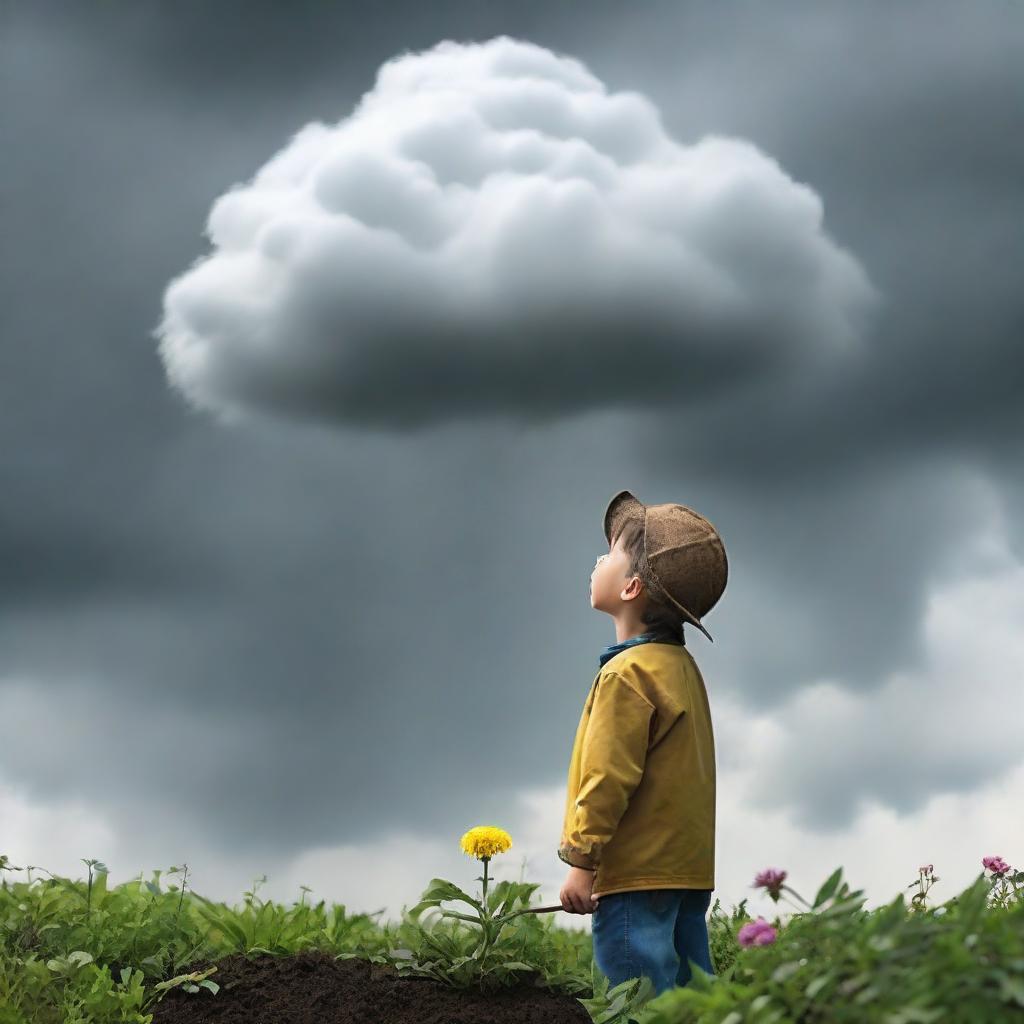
{"x":756,"y":933}
{"x":927,"y":869}
{"x":996,"y":865}
{"x":771,"y":879}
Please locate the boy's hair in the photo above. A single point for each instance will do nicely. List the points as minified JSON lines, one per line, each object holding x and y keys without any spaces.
{"x":655,"y":614}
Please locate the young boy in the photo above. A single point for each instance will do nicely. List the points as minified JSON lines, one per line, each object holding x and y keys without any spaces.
{"x":639,"y":828}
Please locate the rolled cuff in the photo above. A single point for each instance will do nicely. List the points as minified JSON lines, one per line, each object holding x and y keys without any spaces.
{"x":576,"y":858}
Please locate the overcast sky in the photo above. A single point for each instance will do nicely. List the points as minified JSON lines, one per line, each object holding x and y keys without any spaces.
{"x":329,"y":331}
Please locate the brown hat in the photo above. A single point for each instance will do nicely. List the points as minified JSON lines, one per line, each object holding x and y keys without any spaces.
{"x":685,"y":556}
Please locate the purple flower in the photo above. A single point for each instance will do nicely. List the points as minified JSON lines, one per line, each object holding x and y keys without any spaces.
{"x":927,"y":869}
{"x":756,"y":933}
{"x":771,"y":879}
{"x":996,"y":865}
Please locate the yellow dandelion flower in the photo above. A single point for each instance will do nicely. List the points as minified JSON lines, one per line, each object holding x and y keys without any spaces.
{"x":484,"y":841}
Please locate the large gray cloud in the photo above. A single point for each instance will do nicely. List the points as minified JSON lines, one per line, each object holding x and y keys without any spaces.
{"x":490,"y":213}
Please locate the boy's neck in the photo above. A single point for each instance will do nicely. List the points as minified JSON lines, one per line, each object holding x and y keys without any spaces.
{"x":627,"y":629}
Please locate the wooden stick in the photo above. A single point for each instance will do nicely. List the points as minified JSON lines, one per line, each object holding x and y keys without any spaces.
{"x":543,"y":910}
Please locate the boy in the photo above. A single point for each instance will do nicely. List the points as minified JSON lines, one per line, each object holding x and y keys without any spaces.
{"x":639,"y":828}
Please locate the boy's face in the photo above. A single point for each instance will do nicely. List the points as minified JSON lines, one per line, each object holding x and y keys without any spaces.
{"x":609,"y":579}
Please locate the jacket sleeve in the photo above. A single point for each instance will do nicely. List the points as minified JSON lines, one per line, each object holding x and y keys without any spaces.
{"x":612,"y":763}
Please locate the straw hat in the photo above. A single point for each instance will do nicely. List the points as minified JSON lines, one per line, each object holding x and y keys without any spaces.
{"x":685,"y":556}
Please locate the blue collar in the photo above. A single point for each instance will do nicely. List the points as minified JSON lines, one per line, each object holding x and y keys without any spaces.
{"x":651,"y":636}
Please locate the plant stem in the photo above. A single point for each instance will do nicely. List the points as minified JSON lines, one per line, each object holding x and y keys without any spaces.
{"x":487,"y":916}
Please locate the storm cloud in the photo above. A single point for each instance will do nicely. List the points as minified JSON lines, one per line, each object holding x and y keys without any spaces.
{"x":491,"y":215}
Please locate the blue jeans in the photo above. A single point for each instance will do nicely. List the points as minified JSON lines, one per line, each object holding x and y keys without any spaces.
{"x":654,"y":932}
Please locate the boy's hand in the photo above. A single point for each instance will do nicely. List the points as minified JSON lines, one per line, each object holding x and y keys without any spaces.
{"x":576,"y":892}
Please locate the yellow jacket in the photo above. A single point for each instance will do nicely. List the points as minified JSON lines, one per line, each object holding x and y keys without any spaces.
{"x":640,"y":802}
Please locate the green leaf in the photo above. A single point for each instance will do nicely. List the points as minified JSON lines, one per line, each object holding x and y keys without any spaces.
{"x":866,"y":995}
{"x":854,"y":983}
{"x":830,"y":886}
{"x":843,"y":906}
{"x":817,"y":985}
{"x":99,"y":889}
{"x":1011,"y":990}
{"x":439,"y":889}
{"x":917,"y":1015}
{"x":785,"y":971}
{"x":460,"y":917}
{"x":235,"y":931}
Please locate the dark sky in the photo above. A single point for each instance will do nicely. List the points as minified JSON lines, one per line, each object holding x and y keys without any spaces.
{"x":316,"y":380}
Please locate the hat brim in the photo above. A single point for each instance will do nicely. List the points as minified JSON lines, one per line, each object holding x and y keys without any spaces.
{"x":622,"y":507}
{"x":689,"y":616}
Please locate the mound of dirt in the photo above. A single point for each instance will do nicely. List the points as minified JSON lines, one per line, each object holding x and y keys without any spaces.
{"x":312,"y":987}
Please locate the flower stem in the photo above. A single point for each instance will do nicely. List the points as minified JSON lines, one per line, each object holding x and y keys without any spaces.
{"x":487,"y":916}
{"x":798,"y":896}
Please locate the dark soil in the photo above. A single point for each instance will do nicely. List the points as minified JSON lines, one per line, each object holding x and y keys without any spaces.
{"x":312,"y":987}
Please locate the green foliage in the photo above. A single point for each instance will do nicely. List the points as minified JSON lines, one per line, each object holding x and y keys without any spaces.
{"x":74,"y":952}
{"x":617,"y":1004}
{"x":498,"y":945}
{"x":962,"y":963}
{"x":78,"y":953}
